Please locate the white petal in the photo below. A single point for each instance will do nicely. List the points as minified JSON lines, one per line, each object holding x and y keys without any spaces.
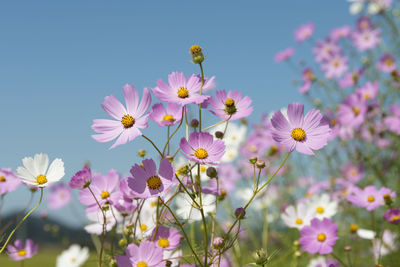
{"x":366,"y":234}
{"x":23,"y":173}
{"x":56,"y":171}
{"x":356,"y":8}
{"x":41,"y":162}
{"x":30,"y":166}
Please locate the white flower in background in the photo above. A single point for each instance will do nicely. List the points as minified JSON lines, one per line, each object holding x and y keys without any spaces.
{"x":374,"y":6}
{"x":388,"y":245}
{"x":147,"y":219}
{"x":172,"y":256}
{"x":298,"y":217}
{"x":356,"y":6}
{"x":317,"y":262}
{"x":323,"y":206}
{"x":74,"y":256}
{"x":187,"y":209}
{"x":96,"y":227}
{"x":366,"y":234}
{"x":36,"y":171}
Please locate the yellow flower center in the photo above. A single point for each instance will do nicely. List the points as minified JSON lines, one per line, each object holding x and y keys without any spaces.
{"x":367,"y":96}
{"x":73,"y":260}
{"x":333,"y":122}
{"x":201,"y":153}
{"x":321,"y":237}
{"x":308,"y":195}
{"x":141,"y":264}
{"x":319,"y":210}
{"x":353,"y":172}
{"x":195,"y":49}
{"x":223,"y":192}
{"x":21,"y":252}
{"x":143,"y":227}
{"x":299,"y":221}
{"x":389,"y":62}
{"x":127,"y":121}
{"x":229,"y":102}
{"x":153,"y":203}
{"x":2,"y":179}
{"x":298,"y":134}
{"x":41,"y":179}
{"x":371,"y":199}
{"x":183,"y":92}
{"x":169,"y":118}
{"x":203,"y":169}
{"x":366,"y":37}
{"x":336,"y":63}
{"x":395,"y":218}
{"x":356,"y":111}
{"x":104,"y":194}
{"x":163,"y":242}
{"x":154,"y":182}
{"x":353,"y":228}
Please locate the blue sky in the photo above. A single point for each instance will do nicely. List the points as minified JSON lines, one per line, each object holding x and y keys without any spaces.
{"x":59,"y":59}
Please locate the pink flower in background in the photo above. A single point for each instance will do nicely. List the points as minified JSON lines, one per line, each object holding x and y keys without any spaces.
{"x":369,"y":197}
{"x":166,"y":117}
{"x":81,"y":179}
{"x":128,"y":121}
{"x":304,"y":32}
{"x":393,"y":122}
{"x":147,"y":182}
{"x":319,"y":237}
{"x":350,"y":78}
{"x":352,"y":172}
{"x":335,"y":67}
{"x":386,"y":63}
{"x":20,"y":251}
{"x":105,"y":189}
{"x":305,"y":133}
{"x":8,"y":181}
{"x":60,"y":196}
{"x":284,"y":54}
{"x":366,"y":40}
{"x":352,"y":111}
{"x":340,"y":32}
{"x":369,"y":90}
{"x":202,"y":148}
{"x":364,"y":24}
{"x":308,"y":78}
{"x":230,"y":105}
{"x":392,"y":216}
{"x":166,"y":238}
{"x":325,"y":50}
{"x":180,"y":90}
{"x":147,"y":254}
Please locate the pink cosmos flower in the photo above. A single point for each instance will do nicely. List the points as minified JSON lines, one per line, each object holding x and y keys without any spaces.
{"x":202,"y":148}
{"x":180,"y":90}
{"x":284,"y":55}
{"x":366,"y":40}
{"x":167,"y":238}
{"x":19,"y":251}
{"x":350,"y":78}
{"x":304,"y":32}
{"x":81,"y":179}
{"x":386,"y":63}
{"x":363,"y":24}
{"x":305,"y":133}
{"x":230,"y":105}
{"x":369,"y":90}
{"x":8,"y":181}
{"x":209,"y":83}
{"x":319,"y":237}
{"x":393,"y":122}
{"x":147,"y":182}
{"x":352,"y":172}
{"x":168,"y":117}
{"x":105,"y":189}
{"x":308,"y":78}
{"x":60,"y":196}
{"x":392,"y":216}
{"x":325,"y":50}
{"x":341,"y":32}
{"x":147,"y":254}
{"x":127,"y":121}
{"x":335,"y":66}
{"x":369,"y":197}
{"x":352,"y":111}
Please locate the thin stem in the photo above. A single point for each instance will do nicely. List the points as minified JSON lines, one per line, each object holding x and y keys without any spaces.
{"x":218,"y":123}
{"x":177,"y":128}
{"x":201,"y":92}
{"x":151,"y":142}
{"x":19,"y":224}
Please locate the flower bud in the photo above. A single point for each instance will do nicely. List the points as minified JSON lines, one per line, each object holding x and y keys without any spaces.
{"x":194,"y":123}
{"x":353,"y":228}
{"x":219,"y":134}
{"x":218,"y":243}
{"x":142,"y":153}
{"x":260,"y":164}
{"x":240,"y":213}
{"x":261,"y":257}
{"x":347,"y":248}
{"x":197,"y":54}
{"x":253,"y":160}
{"x":122,"y":242}
{"x":211,"y":172}
{"x":388,"y":199}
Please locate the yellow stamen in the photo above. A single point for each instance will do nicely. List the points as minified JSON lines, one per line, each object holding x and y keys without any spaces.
{"x":195,"y":49}
{"x":183,"y":92}
{"x":154,"y":182}
{"x":353,"y":228}
{"x":308,"y":195}
{"x":371,"y":199}
{"x":298,"y":134}
{"x":389,"y":62}
{"x":143,"y":227}
{"x":395,"y":218}
{"x":203,"y":169}
{"x":321,"y":237}
{"x":356,"y":111}
{"x":73,"y":260}
{"x":163,"y":242}
{"x":333,"y":123}
{"x":299,"y":221}
{"x":169,"y":118}
{"x":21,"y":252}
{"x":104,"y":194}
{"x":223,"y":192}
{"x":2,"y":179}
{"x":141,"y":264}
{"x":41,"y":179}
{"x":319,"y":210}
{"x":336,"y":63}
{"x":367,"y":96}
{"x":201,"y":153}
{"x":127,"y":121}
{"x":229,"y":102}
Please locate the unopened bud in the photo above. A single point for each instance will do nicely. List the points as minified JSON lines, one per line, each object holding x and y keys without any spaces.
{"x":253,"y":160}
{"x":211,"y":172}
{"x":142,"y":153}
{"x":388,"y":199}
{"x":218,"y":243}
{"x":261,"y":257}
{"x":197,"y":54}
{"x":194,"y":123}
{"x":347,"y":248}
{"x":240,"y":213}
{"x":219,"y":134}
{"x":122,"y":242}
{"x":260,"y":164}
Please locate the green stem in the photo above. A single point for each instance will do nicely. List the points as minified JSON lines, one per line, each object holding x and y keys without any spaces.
{"x":19,"y":224}
{"x":151,"y":142}
{"x":177,"y":128}
{"x":201,"y":93}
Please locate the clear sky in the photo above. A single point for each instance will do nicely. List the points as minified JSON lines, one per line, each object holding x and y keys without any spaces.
{"x":59,"y":59}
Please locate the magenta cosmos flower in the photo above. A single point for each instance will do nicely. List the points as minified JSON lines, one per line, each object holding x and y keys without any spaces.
{"x":81,"y":179}
{"x":335,"y":66}
{"x":319,"y":237}
{"x":386,"y":63}
{"x":366,"y":40}
{"x":369,"y":197}
{"x":167,"y":238}
{"x":147,"y":182}
{"x":166,"y":117}
{"x":202,"y":148}
{"x":340,"y":32}
{"x":305,"y":133}
{"x":369,"y":90}
{"x":127,"y":121}
{"x":284,"y":55}
{"x":393,"y":122}
{"x":105,"y":189}
{"x":180,"y":90}
{"x":8,"y":181}
{"x":60,"y":195}
{"x":304,"y":32}
{"x":352,"y":111}
{"x":147,"y":254}
{"x":230,"y":104}
{"x":19,"y":251}
{"x":392,"y":216}
{"x":325,"y":50}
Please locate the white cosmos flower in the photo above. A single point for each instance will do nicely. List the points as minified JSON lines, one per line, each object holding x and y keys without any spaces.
{"x":323,"y":206}
{"x":317,"y":262}
{"x":366,"y":234}
{"x":186,"y":209}
{"x":96,"y":227}
{"x":35,"y":172}
{"x":388,"y":245}
{"x":173,"y":256}
{"x":298,"y":217}
{"x":74,"y":256}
